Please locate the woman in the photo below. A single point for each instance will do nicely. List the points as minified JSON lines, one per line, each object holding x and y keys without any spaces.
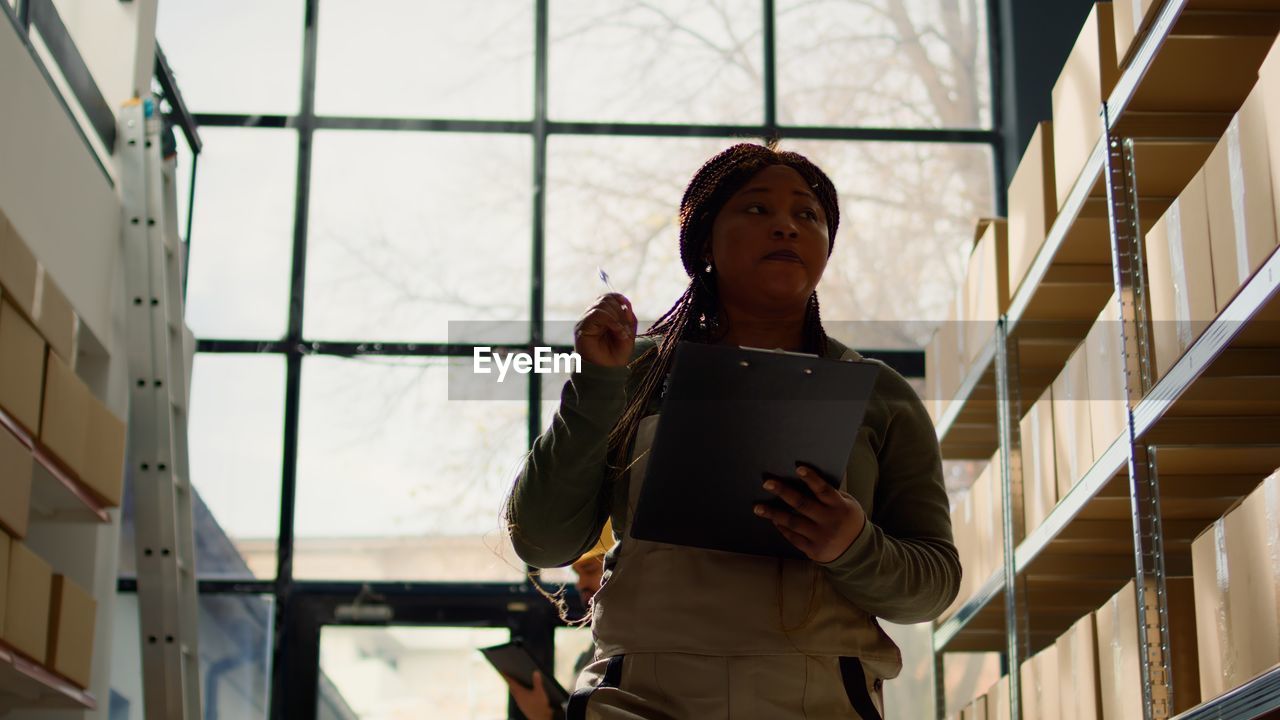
{"x":690,"y":633}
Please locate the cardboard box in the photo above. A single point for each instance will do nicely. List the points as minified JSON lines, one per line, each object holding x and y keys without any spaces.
{"x":1242,"y":221}
{"x":1039,"y":470}
{"x":17,"y":268}
{"x":1087,"y":79}
{"x":976,"y":710}
{"x":1236,"y":570}
{"x":64,"y":426}
{"x":104,"y":453}
{"x":16,"y":466}
{"x":945,"y":367}
{"x":986,"y":288}
{"x":1128,"y":16}
{"x":1040,"y":700}
{"x":1108,"y":411}
{"x":966,"y":675}
{"x":1180,"y":276}
{"x":1033,"y":204}
{"x":1118,"y":656}
{"x":55,"y":318}
{"x":26,"y":617}
{"x":21,"y":367}
{"x":1219,"y":662}
{"x":1131,"y":14}
{"x":1072,"y":431}
{"x":964,"y":536}
{"x":1078,"y":671}
{"x":1208,"y":65}
{"x":72,"y":616}
{"x":1269,"y":84}
{"x":1253,"y":547}
{"x":998,"y":707}
{"x":989,"y":516}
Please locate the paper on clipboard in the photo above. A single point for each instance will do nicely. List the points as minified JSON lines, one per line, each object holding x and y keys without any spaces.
{"x":731,"y":416}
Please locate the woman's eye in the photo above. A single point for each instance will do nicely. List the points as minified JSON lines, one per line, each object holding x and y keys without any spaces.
{"x":809,"y":214}
{"x":751,"y":208}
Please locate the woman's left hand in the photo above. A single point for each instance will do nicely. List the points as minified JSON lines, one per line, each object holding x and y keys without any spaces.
{"x":822,"y":523}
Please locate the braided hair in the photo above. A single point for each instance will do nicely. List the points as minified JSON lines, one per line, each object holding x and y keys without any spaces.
{"x":692,"y":316}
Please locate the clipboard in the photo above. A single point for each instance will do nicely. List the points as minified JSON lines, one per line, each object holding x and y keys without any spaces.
{"x":513,"y":660}
{"x":731,"y":416}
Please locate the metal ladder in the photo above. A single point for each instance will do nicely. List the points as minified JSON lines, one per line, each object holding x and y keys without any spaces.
{"x":160,"y":348}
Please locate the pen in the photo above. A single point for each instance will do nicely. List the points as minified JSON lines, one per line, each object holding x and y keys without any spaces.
{"x":604,"y":277}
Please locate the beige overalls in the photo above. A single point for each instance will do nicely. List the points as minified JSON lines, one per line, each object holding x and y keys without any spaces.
{"x":687,"y":633}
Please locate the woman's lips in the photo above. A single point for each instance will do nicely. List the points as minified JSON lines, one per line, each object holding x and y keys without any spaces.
{"x":784,"y":256}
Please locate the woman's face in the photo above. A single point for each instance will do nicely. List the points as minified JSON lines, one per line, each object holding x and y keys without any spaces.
{"x":769,"y":242}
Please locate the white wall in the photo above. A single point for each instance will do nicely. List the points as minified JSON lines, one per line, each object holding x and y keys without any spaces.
{"x":117,"y":41}
{"x":69,"y":213}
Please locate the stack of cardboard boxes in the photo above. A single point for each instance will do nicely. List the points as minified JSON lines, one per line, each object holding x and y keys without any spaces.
{"x":1091,"y":672}
{"x":1236,"y":572}
{"x":48,"y":413}
{"x":971,"y":321}
{"x":977,"y":523}
{"x":1221,"y":227}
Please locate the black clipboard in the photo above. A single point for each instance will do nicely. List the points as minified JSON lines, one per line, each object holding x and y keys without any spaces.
{"x":513,"y":660}
{"x":731,"y":416}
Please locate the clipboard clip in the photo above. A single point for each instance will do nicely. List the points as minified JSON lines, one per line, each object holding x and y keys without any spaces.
{"x":777,"y":351}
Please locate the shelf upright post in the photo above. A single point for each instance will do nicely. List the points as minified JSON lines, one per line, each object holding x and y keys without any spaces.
{"x":1013,"y":530}
{"x":159,"y":347}
{"x":1129,"y":274}
{"x":939,"y":683}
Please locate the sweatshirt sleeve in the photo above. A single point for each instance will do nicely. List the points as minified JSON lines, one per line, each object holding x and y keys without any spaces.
{"x":903,"y":567}
{"x":558,"y":506}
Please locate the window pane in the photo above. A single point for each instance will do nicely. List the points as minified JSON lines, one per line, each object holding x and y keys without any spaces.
{"x":430,"y":672}
{"x":398,"y":482}
{"x":664,"y":61}
{"x":234,"y":57}
{"x":410,"y":231}
{"x":238,"y":282}
{"x":235,"y":657}
{"x":571,"y":642}
{"x":237,"y":435}
{"x":887,"y":63}
{"x":613,"y":203}
{"x":907,"y":210}
{"x":907,"y":214}
{"x":410,"y":58}
{"x":182,"y":179}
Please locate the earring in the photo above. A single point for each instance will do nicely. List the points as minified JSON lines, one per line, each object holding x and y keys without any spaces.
{"x":708,"y":268}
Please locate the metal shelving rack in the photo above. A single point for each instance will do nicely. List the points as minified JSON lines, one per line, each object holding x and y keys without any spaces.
{"x":1049,"y":579}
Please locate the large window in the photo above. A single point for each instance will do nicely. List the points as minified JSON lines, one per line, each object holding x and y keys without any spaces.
{"x":386,"y":184}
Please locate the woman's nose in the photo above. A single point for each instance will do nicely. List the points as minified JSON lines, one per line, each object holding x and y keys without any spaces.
{"x":785,"y":228}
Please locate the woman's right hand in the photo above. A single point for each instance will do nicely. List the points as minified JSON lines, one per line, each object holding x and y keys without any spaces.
{"x":606,"y":332}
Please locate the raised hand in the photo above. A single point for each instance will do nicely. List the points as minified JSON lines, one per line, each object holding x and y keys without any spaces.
{"x":606,"y":332}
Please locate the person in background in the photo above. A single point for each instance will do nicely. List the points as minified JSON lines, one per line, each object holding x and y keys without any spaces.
{"x":589,"y":568}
